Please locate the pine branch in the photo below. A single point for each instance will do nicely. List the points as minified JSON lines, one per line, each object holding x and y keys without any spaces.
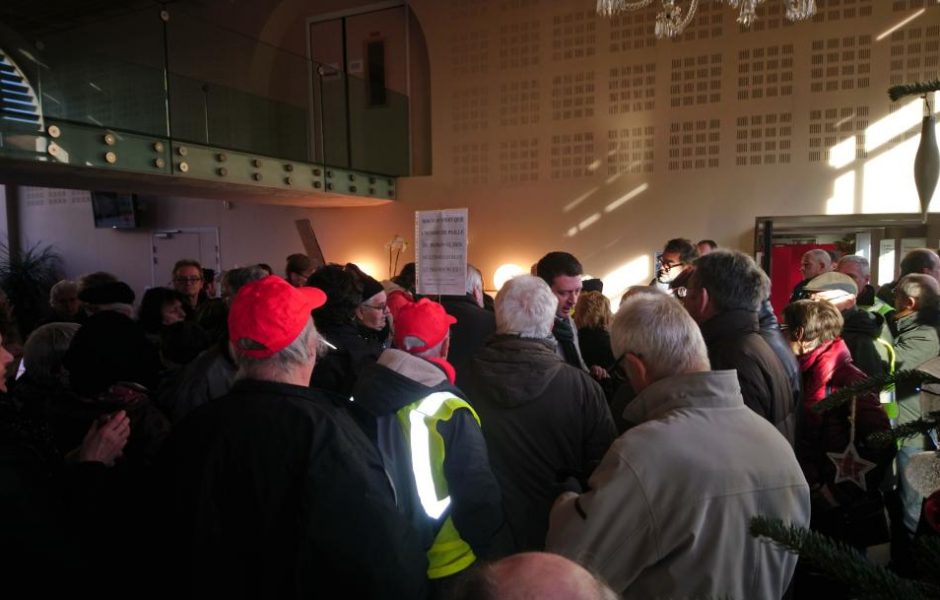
{"x":842,"y":563}
{"x":918,"y":88}
{"x":902,"y":432}
{"x":872,"y":385}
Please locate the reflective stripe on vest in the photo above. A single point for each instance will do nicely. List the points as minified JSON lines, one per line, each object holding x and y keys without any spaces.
{"x":421,"y":454}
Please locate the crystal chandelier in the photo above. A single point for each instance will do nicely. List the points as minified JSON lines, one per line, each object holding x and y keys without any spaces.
{"x":673,"y":19}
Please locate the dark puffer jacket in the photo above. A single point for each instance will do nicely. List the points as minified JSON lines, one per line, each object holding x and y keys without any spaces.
{"x":733,"y":342}
{"x":860,"y":334}
{"x":543,"y":421}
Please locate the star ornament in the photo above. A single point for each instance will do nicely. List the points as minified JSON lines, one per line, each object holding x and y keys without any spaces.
{"x":850,"y":466}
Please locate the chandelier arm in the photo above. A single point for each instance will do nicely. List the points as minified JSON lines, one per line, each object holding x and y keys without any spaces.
{"x":612,"y":7}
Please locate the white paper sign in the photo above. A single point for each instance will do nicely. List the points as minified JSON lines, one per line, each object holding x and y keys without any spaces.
{"x":441,"y":240}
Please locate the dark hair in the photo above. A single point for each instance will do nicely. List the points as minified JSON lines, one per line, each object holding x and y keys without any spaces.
{"x":917,"y":260}
{"x":407,"y":277}
{"x":710,"y":243}
{"x":235,"y":278}
{"x":298,"y":263}
{"x":343,"y":295}
{"x":208,"y":274}
{"x":266,"y":267}
{"x":686,"y":249}
{"x":187,"y":262}
{"x":555,"y":264}
{"x":150,"y":313}
{"x":733,"y":280}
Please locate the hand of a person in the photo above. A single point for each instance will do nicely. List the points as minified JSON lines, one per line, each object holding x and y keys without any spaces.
{"x":105,"y":439}
{"x":599,"y":373}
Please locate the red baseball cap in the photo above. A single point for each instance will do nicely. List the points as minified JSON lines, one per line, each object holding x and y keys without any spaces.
{"x":270,"y":313}
{"x":426,"y":320}
{"x":395,"y":300}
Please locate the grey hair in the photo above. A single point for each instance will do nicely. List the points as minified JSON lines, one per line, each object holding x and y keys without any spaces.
{"x":658,"y":329}
{"x":526,"y":306}
{"x":474,"y":279}
{"x":855,"y":259}
{"x":44,"y":350}
{"x":820,"y":256}
{"x":921,"y":287}
{"x":733,"y":280}
{"x":61,"y":288}
{"x":235,"y":278}
{"x":434,"y":351}
{"x":298,"y":353}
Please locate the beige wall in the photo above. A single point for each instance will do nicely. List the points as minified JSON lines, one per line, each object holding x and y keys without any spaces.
{"x":526,"y":96}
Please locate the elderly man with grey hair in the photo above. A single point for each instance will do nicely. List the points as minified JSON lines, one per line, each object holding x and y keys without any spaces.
{"x":543,"y":419}
{"x":211,"y":374}
{"x":272,"y":490}
{"x":669,"y":506}
{"x":723,"y":295}
{"x":813,"y":263}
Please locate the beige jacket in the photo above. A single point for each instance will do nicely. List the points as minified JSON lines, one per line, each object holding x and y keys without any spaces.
{"x":668,"y":511}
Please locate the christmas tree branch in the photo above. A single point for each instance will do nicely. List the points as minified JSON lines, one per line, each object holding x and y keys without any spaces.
{"x":913,"y":89}
{"x":842,"y":563}
{"x":907,"y":430}
{"x":872,"y":385}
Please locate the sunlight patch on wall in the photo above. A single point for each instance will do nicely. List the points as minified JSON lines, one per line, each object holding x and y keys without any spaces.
{"x":635,"y":272}
{"x":626,"y":197}
{"x":888,"y":180}
{"x":842,"y":153}
{"x":574,"y":203}
{"x":842,"y":201}
{"x":898,"y":122}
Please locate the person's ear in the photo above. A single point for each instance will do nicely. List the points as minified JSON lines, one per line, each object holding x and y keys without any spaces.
{"x":636,"y":372}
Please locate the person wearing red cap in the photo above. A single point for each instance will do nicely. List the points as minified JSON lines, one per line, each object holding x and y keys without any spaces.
{"x":272,"y":490}
{"x":431,"y":444}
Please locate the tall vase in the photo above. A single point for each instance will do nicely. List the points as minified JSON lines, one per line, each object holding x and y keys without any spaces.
{"x":927,"y":161}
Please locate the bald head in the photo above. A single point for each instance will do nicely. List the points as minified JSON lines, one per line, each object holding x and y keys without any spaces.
{"x":533,"y":575}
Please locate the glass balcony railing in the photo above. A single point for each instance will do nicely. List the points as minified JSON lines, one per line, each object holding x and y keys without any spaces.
{"x":183,"y":78}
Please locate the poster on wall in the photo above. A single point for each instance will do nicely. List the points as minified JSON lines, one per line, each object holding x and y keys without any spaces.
{"x":441,"y":252}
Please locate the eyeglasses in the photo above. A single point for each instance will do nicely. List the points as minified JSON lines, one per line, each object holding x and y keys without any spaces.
{"x":380,"y":307}
{"x":680,"y":292}
{"x":188,"y":279}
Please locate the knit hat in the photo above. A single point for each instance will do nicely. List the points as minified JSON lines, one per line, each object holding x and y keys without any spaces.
{"x":425,"y":320}
{"x":370,"y":287}
{"x":268,"y":314}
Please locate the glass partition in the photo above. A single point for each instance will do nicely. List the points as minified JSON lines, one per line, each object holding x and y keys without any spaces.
{"x":184,"y":78}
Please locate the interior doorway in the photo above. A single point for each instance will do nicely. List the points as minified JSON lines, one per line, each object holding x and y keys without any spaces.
{"x":171,"y":245}
{"x":882,"y":239}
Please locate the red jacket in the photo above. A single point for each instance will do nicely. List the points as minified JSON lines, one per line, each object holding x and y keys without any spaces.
{"x":825,"y":370}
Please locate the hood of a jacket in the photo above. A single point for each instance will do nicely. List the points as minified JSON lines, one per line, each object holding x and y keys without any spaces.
{"x":515,"y":370}
{"x":862,"y":322}
{"x":397,"y":380}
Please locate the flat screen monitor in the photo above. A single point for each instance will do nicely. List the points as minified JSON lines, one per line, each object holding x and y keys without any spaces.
{"x":114,"y":211}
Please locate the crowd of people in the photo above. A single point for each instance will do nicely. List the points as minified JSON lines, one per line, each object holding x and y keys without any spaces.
{"x":326,"y":434}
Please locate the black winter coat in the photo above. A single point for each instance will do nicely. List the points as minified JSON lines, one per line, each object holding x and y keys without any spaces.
{"x":467,"y":335}
{"x":859,"y":333}
{"x":733,"y":342}
{"x":543,"y":421}
{"x":274,"y":492}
